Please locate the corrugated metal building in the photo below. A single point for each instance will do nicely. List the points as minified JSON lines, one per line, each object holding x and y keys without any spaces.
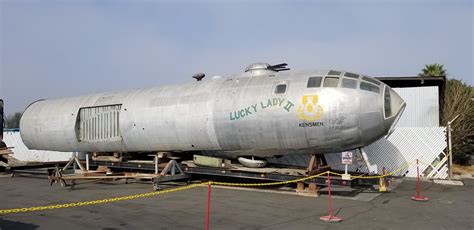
{"x":422,"y":107}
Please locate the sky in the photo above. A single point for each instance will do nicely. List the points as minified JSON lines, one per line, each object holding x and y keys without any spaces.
{"x":54,"y":49}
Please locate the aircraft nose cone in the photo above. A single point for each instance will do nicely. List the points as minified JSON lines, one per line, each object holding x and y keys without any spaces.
{"x":394,"y":106}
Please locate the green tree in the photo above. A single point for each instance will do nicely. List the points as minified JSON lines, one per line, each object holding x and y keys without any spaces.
{"x":459,"y":101}
{"x":433,"y":70}
{"x":13,"y":121}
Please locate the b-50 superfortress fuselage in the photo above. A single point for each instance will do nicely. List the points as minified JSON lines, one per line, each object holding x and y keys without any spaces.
{"x":262,"y":112}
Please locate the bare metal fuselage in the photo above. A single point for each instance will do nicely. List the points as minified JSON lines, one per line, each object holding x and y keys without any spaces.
{"x":243,"y":115}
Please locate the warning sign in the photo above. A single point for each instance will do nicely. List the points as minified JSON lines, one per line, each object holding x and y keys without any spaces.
{"x":346,"y":158}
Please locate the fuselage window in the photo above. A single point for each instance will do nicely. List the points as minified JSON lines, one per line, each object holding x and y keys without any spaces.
{"x":334,"y":72}
{"x":314,"y":82}
{"x":351,"y":75}
{"x":371,"y":80}
{"x":280,"y":88}
{"x":369,"y":87}
{"x":330,"y":81}
{"x":349,"y":83}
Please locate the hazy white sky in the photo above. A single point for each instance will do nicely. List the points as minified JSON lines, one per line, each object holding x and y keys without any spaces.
{"x":51,"y":49}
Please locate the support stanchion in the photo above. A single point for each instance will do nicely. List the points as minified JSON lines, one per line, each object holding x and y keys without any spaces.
{"x":208,"y":204}
{"x":330,"y":218}
{"x":383,"y":182}
{"x":418,"y":196}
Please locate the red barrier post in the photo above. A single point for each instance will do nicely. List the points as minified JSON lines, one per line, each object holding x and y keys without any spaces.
{"x":330,"y":218}
{"x":208,"y":204}
{"x":418,"y":196}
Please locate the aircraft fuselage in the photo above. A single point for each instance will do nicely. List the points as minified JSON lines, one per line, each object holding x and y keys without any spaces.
{"x":258,"y":113}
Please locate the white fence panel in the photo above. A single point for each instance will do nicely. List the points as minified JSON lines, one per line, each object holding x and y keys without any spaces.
{"x":403,"y":147}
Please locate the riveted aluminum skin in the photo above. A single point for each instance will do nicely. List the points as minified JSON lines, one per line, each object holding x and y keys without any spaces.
{"x":241,"y":115}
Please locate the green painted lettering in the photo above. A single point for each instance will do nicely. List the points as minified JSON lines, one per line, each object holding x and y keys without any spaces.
{"x":247,"y":111}
{"x":269,"y":102}
{"x":254,"y":108}
{"x":275,"y":101}
{"x":280,"y":100}
{"x":242,"y":113}
{"x":288,"y":106}
{"x":237,"y":115}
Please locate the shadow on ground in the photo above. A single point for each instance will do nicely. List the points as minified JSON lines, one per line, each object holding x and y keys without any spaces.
{"x":6,"y":224}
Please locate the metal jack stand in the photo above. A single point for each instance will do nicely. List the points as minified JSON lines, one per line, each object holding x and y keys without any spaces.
{"x":371,"y":167}
{"x":75,"y":162}
{"x":383,"y":183}
{"x":317,"y":162}
{"x":56,"y":175}
{"x":171,"y":172}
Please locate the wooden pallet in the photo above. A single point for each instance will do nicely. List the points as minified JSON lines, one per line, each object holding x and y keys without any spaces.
{"x":6,"y":151}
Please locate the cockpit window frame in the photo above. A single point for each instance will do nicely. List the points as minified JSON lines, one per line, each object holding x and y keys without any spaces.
{"x":331,"y":77}
{"x":370,"y":87}
{"x":371,"y":80}
{"x":351,"y":75}
{"x":312,"y":83}
{"x":334,"y":73}
{"x":353,"y":83}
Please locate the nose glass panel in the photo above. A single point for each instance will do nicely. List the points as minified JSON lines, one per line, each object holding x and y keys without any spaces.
{"x":393,"y":103}
{"x":394,"y":106}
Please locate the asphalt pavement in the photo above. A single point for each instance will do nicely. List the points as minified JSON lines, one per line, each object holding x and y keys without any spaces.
{"x":449,"y":207}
